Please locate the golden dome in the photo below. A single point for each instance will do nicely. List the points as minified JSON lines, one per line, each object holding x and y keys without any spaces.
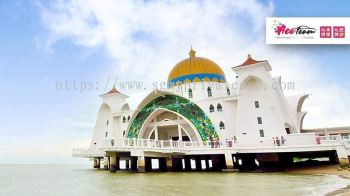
{"x":195,"y":69}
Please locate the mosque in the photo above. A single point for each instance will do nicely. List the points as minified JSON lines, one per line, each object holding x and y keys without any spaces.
{"x":201,"y":122}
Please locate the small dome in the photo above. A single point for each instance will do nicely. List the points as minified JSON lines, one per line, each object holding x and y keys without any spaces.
{"x":196,"y":69}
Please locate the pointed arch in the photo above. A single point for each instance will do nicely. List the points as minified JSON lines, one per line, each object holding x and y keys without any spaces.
{"x":219,"y":107}
{"x":174,"y":103}
{"x":221,"y":125}
{"x":301,"y":102}
{"x":210,"y":94}
{"x":125,"y":107}
{"x":190,"y":93}
{"x":253,"y":82}
{"x":228,"y":91}
{"x":211,"y":108}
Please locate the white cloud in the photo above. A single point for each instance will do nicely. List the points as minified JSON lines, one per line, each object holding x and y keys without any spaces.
{"x":145,"y":39}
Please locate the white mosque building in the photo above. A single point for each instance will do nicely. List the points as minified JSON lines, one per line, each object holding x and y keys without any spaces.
{"x":200,"y":122}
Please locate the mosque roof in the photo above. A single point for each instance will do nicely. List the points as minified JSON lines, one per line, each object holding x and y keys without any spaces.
{"x":249,"y":61}
{"x":196,"y":69}
{"x":114,"y":91}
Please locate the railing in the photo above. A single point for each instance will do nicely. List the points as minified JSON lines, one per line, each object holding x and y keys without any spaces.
{"x":331,"y":139}
{"x":164,"y":144}
{"x":292,"y":140}
{"x":88,"y":152}
{"x":306,"y":139}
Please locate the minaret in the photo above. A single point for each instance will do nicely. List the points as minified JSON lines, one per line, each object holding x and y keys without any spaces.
{"x":114,"y":99}
{"x":109,"y":119}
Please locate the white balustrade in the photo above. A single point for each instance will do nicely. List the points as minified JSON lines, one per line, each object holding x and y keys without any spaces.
{"x":291,"y":140}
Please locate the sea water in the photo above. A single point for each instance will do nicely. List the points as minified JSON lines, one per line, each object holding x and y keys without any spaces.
{"x":81,"y":180}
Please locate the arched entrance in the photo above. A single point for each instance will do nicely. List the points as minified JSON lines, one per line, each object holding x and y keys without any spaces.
{"x":165,"y":125}
{"x":192,"y":117}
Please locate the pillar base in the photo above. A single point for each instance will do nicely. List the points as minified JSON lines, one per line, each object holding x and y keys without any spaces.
{"x":141,"y":169}
{"x":343,"y":162}
{"x":228,"y":161}
{"x":113,"y":168}
{"x":169,"y":164}
{"x":230,"y":170}
{"x":169,"y":168}
{"x":141,"y":164}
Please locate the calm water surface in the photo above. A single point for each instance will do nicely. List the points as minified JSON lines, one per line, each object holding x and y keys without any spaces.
{"x":79,"y":180}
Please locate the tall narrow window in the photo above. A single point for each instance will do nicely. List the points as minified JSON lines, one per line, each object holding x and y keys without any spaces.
{"x":190,"y":94}
{"x":128,"y":118}
{"x":107,"y":122}
{"x":261,"y":133}
{"x":228,"y":91}
{"x":124,"y":133}
{"x":211,"y":108}
{"x":222,"y":125}
{"x":219,"y":107}
{"x":257,"y":104}
{"x":287,"y":130}
{"x":124,"y":119}
{"x":209,"y":92}
{"x":259,"y":120}
{"x":106,"y":135}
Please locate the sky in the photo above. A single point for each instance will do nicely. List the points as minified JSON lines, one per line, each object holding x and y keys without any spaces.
{"x":57,"y":57}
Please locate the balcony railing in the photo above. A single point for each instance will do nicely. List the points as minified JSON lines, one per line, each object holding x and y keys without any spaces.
{"x":292,"y":140}
{"x":88,"y":152}
{"x":306,"y":139}
{"x":164,"y":144}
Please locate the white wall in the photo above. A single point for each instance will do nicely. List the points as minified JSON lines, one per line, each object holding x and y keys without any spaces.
{"x":101,"y":126}
{"x":113,"y":108}
{"x":256,"y":84}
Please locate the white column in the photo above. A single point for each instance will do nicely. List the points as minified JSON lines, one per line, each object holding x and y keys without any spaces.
{"x":179,"y":132}
{"x":156,"y":133}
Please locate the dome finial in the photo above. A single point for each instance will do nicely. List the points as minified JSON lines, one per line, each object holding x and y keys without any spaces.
{"x":192,"y":53}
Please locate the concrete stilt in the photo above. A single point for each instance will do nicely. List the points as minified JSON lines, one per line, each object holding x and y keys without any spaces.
{"x":229,"y":163}
{"x":117,"y":163}
{"x":177,"y":164}
{"x":127,"y":164}
{"x":207,"y":164}
{"x":133,"y":163}
{"x":105,"y":163}
{"x":169,"y":164}
{"x":198,"y":164}
{"x":112,"y":163}
{"x":342,"y":156}
{"x":141,"y":164}
{"x":97,"y":163}
{"x":162,"y":164}
{"x":187,"y":164}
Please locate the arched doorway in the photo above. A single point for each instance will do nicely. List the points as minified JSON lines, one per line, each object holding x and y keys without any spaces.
{"x":191,"y":116}
{"x":165,"y":125}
